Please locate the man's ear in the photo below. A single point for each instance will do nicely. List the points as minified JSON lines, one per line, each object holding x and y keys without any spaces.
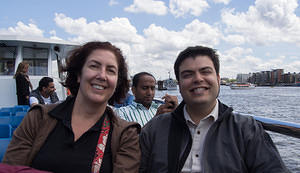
{"x":133,"y":89}
{"x":43,"y":89}
{"x":219,"y":79}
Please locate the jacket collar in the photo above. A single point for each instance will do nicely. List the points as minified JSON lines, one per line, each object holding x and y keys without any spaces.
{"x":178,"y":112}
{"x":224,"y":111}
{"x":63,"y":109}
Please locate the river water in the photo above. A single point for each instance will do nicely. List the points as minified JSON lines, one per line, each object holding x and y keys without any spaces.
{"x":280,"y":103}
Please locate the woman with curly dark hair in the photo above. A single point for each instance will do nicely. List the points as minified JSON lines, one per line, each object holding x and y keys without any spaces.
{"x":81,"y":134}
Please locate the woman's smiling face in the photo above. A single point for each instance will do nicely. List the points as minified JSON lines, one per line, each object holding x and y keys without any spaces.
{"x":98,"y":77}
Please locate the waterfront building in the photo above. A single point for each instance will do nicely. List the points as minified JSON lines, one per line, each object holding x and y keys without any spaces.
{"x":276,"y":76}
{"x":256,"y":78}
{"x":265,"y":78}
{"x":297,"y":77}
{"x":242,"y":78}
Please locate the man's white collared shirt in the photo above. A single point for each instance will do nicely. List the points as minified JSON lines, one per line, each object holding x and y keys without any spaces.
{"x":198,"y":133}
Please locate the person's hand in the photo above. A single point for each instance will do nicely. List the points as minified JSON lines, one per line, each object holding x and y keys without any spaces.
{"x":171,"y":99}
{"x":171,"y":103}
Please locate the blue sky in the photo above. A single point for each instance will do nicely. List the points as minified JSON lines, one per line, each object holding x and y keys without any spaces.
{"x":250,"y":36}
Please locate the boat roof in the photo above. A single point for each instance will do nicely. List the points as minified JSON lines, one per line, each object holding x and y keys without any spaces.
{"x":36,"y":40}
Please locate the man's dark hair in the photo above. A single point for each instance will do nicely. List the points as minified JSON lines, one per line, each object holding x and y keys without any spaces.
{"x":136,"y":78}
{"x":192,"y":52}
{"x":44,"y":82}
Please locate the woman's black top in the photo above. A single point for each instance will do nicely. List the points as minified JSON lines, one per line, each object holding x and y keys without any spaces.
{"x":60,"y":154}
{"x":22,"y":86}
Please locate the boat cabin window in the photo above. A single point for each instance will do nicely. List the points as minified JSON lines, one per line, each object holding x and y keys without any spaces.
{"x":37,"y":59}
{"x":7,"y":60}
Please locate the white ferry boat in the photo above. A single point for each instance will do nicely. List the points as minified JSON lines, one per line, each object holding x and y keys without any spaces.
{"x":242,"y":86}
{"x":45,"y":56}
{"x":170,"y":84}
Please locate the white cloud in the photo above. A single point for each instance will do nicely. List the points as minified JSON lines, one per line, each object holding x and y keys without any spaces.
{"x":53,"y":35}
{"x":292,"y":67}
{"x":294,"y":57}
{"x":155,"y":48}
{"x":163,"y":45}
{"x":267,"y":22}
{"x":113,"y":2}
{"x":52,"y":32}
{"x":242,"y":60}
{"x":154,"y":51}
{"x":147,"y":6}
{"x":222,"y":1}
{"x":55,"y":38}
{"x":30,"y":30}
{"x":237,"y":60}
{"x":235,"y":39}
{"x":183,"y":7}
{"x":238,"y":51}
{"x":279,"y":62}
{"x":194,"y":33}
{"x":116,"y":30}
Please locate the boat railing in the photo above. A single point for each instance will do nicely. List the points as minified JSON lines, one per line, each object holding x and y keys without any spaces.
{"x":282,"y":127}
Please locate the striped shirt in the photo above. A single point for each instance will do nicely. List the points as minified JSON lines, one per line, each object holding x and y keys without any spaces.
{"x":198,"y":132}
{"x":137,"y":112}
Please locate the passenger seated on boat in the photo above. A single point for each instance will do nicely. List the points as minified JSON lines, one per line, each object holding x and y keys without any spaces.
{"x":202,"y":134}
{"x":44,"y":94}
{"x":144,"y":108}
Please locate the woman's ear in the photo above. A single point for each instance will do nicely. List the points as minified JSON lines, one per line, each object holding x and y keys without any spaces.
{"x":78,"y":78}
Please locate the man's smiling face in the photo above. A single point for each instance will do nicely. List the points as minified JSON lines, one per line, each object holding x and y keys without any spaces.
{"x":198,"y":81}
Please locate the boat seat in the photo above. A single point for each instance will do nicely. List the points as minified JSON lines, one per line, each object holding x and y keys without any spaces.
{"x":5,"y":119}
{"x":22,"y":108}
{"x":7,"y":109}
{"x":14,"y":110}
{"x":16,"y":120}
{"x":5,"y":130}
{"x":5,"y":113}
{"x":21,"y":113}
{"x":3,"y":146}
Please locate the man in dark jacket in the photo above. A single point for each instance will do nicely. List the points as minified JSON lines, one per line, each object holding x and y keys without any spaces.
{"x":45,"y":93}
{"x":203,"y":134}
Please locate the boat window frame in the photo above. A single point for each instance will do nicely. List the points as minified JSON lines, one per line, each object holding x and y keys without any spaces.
{"x":38,"y":65}
{"x":5,"y":62}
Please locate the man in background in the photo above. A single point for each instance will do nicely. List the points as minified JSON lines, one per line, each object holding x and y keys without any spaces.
{"x":45,"y":93}
{"x":144,"y":108}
